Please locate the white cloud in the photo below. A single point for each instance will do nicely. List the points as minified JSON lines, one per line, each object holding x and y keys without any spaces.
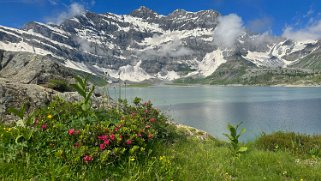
{"x":174,"y":48}
{"x":73,"y":10}
{"x":53,"y":2}
{"x":229,"y":28}
{"x":310,"y":32}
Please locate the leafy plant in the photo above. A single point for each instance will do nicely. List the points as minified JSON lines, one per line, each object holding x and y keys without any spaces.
{"x":81,"y":88}
{"x":59,"y":85}
{"x":234,"y":136}
{"x":18,"y":112}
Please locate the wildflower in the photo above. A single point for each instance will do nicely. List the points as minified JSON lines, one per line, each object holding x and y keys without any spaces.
{"x":132,"y":158}
{"x":49,"y":116}
{"x":44,"y":126}
{"x":71,"y":131}
{"x":129,"y":142}
{"x":77,"y":145}
{"x":152,"y":120}
{"x":139,"y":135}
{"x":102,"y":146}
{"x":150,"y":136}
{"x":103,"y":137}
{"x":147,"y":126}
{"x":106,"y":142}
{"x":87,"y":158}
{"x":133,"y":114}
{"x":36,"y":122}
{"x":162,"y":158}
{"x":120,"y":137}
{"x":146,"y":111}
{"x":112,"y":137}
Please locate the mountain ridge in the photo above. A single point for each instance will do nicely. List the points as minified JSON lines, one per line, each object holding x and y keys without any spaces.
{"x":145,"y":45}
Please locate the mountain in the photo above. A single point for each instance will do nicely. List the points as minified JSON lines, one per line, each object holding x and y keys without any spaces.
{"x":145,"y":45}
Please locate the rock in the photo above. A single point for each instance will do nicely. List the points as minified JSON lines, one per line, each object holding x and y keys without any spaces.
{"x":35,"y":96}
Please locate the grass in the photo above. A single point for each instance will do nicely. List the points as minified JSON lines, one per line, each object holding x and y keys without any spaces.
{"x":187,"y":158}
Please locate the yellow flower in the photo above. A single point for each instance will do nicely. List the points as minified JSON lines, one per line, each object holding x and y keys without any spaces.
{"x":132,"y":158}
{"x":49,"y":116}
{"x":162,"y":158}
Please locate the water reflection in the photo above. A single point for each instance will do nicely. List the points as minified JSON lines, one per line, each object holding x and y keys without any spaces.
{"x":261,"y":109}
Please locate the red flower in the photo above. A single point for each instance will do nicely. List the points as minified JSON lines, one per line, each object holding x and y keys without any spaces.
{"x":87,"y":158}
{"x":152,"y":120}
{"x":106,"y":142}
{"x":102,"y":146}
{"x":103,"y":137}
{"x":112,"y":137}
{"x":116,"y":129}
{"x":129,"y":142}
{"x":44,"y":126}
{"x":71,"y":131}
{"x":150,"y":136}
{"x":76,"y":145}
{"x":147,"y":126}
{"x":120,"y":137}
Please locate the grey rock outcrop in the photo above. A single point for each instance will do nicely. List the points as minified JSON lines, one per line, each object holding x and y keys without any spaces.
{"x":34,"y":96}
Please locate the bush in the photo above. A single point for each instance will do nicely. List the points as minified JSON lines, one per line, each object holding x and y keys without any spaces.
{"x":62,"y":130}
{"x":292,"y":142}
{"x":59,"y":85}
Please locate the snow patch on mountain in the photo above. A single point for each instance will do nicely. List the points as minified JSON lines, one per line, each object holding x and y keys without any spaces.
{"x":78,"y":66}
{"x":128,"y":72}
{"x":211,"y":62}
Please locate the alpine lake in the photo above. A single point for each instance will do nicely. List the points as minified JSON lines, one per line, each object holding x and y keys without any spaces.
{"x":211,"y":108}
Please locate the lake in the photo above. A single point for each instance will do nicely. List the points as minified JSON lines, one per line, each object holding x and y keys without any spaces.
{"x":211,"y":108}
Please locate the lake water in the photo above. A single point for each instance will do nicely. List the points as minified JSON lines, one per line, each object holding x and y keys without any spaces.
{"x":211,"y":108}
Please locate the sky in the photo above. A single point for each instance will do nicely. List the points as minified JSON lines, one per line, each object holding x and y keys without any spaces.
{"x":291,"y":18}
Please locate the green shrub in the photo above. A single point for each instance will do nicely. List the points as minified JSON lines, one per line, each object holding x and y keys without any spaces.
{"x":59,"y":85}
{"x":292,"y":142}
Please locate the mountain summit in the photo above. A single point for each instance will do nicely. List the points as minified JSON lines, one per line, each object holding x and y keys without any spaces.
{"x":145,"y":45}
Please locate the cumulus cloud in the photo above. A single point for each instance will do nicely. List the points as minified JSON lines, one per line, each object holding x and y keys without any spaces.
{"x":229,"y":28}
{"x":310,"y":32}
{"x":73,"y":10}
{"x":173,"y":48}
{"x":261,"y":42}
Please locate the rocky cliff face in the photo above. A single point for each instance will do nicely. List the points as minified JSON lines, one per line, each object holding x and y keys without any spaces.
{"x":145,"y":45}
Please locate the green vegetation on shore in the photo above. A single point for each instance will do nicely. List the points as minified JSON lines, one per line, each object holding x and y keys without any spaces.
{"x":72,"y":141}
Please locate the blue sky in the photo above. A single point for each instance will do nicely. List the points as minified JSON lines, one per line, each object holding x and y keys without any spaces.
{"x":257,"y":15}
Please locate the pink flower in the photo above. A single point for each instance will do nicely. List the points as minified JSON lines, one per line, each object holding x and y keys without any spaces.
{"x":146,"y":111}
{"x":76,"y":145}
{"x":103,"y":137}
{"x":87,"y":158}
{"x":71,"y":131}
{"x":120,"y":137}
{"x":112,"y":137}
{"x":44,"y":126}
{"x":147,"y":126}
{"x":152,"y":120}
{"x":129,"y":142}
{"x":102,"y":146}
{"x":139,"y":135}
{"x":106,"y":142}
